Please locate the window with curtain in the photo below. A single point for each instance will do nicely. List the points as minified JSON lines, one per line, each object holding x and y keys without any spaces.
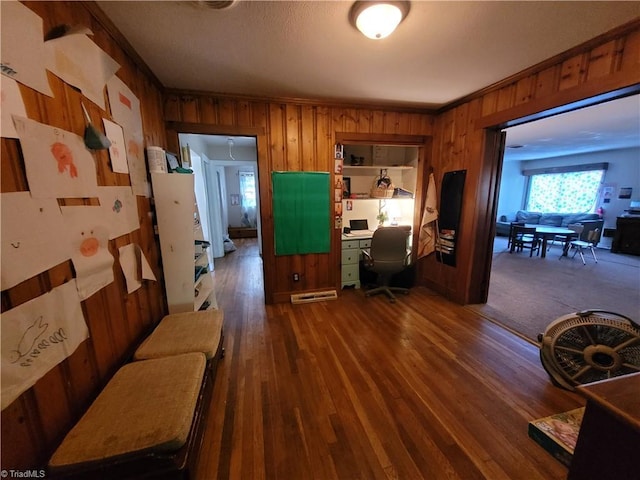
{"x":565,"y":191}
{"x":248,"y":189}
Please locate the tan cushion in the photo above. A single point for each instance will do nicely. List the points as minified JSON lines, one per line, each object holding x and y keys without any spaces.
{"x":184,"y":332}
{"x":147,"y":406}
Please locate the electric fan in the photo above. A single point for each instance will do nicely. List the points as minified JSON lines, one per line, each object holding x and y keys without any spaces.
{"x":588,"y":346}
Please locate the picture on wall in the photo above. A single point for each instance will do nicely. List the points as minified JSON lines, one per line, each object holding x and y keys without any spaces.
{"x":625,"y":192}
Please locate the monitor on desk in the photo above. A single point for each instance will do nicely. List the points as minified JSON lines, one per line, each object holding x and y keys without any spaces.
{"x":359,"y":224}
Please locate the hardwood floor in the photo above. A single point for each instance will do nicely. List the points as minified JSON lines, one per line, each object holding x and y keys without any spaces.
{"x":359,"y":388}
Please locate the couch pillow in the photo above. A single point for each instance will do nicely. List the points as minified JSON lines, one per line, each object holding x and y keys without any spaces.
{"x":551,"y":219}
{"x":527,"y":217}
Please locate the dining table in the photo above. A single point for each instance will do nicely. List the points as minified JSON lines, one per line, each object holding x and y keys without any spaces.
{"x":546,"y":232}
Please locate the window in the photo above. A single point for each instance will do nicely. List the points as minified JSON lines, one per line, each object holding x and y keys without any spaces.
{"x":248,"y":189}
{"x":565,"y":190}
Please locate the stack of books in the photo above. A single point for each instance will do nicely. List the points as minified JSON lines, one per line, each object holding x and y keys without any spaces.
{"x":445,"y":242}
{"x":558,"y":433}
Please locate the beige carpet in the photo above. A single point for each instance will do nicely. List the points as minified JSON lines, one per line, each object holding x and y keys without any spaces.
{"x":526,"y":294}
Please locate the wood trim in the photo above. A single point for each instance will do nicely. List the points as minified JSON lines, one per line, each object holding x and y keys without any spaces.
{"x":616,"y":85}
{"x":428,"y":109}
{"x":380,"y":138}
{"x":548,"y":63}
{"x":207,"y":129}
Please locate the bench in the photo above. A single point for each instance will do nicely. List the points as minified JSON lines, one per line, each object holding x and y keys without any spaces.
{"x":148,"y":421}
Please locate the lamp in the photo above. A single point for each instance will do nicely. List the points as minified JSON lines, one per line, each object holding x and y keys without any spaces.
{"x":378,"y":20}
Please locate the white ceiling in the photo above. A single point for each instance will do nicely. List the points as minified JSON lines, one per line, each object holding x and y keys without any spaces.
{"x":441,"y":52}
{"x":607,"y":126}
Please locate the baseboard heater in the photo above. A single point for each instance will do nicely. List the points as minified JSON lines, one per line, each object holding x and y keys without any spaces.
{"x":314,"y":296}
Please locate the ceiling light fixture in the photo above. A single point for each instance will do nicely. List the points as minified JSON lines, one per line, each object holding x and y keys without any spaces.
{"x":230,"y":143}
{"x":378,"y":20}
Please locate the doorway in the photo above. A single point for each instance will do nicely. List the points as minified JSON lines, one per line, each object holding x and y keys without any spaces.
{"x":615,"y":141}
{"x":227,"y":191}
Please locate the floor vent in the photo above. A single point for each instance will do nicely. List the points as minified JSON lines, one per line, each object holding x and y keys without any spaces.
{"x":314,"y":296}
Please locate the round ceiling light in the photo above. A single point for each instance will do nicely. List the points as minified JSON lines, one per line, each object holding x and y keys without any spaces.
{"x":377,"y":20}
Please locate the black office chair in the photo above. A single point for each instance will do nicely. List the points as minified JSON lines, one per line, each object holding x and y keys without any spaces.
{"x":387,"y":256}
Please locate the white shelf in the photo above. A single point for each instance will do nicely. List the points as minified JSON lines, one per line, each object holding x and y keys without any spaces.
{"x":179,"y":228}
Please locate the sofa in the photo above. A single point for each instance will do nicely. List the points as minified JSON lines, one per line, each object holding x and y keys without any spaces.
{"x":591,"y":221}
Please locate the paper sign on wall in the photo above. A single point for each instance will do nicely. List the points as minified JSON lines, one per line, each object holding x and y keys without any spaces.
{"x":38,"y":335}
{"x":125,"y":109}
{"x":81,"y":63}
{"x":134,"y":266}
{"x":120,"y":210}
{"x":11,"y":104}
{"x":92,"y":261}
{"x":22,"y":47}
{"x":117,"y":150}
{"x":57,"y":163}
{"x":34,"y":238}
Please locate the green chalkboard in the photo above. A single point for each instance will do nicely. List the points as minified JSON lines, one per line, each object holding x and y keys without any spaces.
{"x":301,"y":212}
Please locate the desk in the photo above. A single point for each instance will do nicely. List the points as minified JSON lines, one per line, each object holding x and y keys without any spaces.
{"x":352,"y":246}
{"x":547,"y":232}
{"x":609,"y":438}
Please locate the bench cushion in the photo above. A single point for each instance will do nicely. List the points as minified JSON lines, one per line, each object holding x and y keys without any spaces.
{"x":147,"y":406}
{"x":182,"y":333}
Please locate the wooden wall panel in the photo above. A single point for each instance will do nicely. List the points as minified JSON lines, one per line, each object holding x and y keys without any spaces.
{"x":297,"y":137}
{"x":35,"y":423}
{"x":599,"y":66}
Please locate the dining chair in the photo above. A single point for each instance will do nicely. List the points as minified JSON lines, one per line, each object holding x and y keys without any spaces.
{"x":525,"y":238}
{"x":510,"y":238}
{"x":576,"y":227}
{"x":580,"y":245}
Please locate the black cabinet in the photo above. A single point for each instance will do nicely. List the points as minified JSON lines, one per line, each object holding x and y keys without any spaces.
{"x":627,"y":236}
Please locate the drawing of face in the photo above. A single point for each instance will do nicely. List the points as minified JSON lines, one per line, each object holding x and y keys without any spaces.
{"x":90,"y":245}
{"x":64,"y":157}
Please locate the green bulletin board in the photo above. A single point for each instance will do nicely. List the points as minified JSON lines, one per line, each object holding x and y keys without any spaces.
{"x":301,"y":212}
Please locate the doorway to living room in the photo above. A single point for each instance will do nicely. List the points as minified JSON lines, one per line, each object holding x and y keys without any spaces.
{"x":526,"y":294}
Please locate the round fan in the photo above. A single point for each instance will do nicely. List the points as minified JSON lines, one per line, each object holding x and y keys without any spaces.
{"x":588,"y":346}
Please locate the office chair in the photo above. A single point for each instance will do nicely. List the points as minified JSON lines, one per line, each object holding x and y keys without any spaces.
{"x":387,"y":256}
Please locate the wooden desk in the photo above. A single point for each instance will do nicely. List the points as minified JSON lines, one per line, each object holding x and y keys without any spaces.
{"x":609,"y":441}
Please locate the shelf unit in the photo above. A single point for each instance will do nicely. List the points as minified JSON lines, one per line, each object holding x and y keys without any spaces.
{"x":181,"y":244}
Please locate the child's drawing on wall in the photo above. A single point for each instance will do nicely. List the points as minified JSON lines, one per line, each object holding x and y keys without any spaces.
{"x":92,"y":261}
{"x":64,"y":157}
{"x":37,"y":335}
{"x":71,"y":172}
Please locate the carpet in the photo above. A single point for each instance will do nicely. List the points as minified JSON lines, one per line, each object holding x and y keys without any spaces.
{"x":527,"y":294}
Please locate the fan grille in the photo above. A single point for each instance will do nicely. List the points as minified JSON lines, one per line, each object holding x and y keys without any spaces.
{"x":585,"y":349}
